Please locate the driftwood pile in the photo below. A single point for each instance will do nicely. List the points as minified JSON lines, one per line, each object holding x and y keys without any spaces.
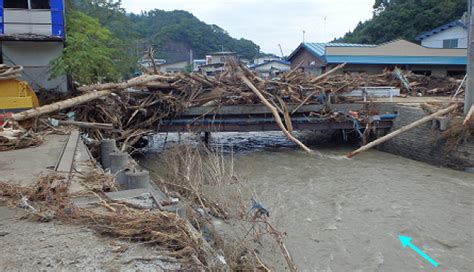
{"x":11,"y":138}
{"x":137,"y":107}
{"x":156,"y":97}
{"x":7,"y":72}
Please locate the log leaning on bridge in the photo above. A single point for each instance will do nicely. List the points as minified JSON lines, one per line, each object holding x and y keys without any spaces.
{"x":141,"y":80}
{"x":274,"y":112}
{"x":403,"y":129}
{"x":469,"y":115}
{"x":68,"y":103}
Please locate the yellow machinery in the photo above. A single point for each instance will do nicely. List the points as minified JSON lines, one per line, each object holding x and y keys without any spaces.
{"x":16,"y":95}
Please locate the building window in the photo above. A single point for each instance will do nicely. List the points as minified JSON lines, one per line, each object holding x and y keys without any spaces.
{"x":422,"y":72}
{"x":20,"y":4}
{"x":457,"y":74}
{"x":40,"y":4}
{"x":452,"y":43}
{"x":27,"y":4}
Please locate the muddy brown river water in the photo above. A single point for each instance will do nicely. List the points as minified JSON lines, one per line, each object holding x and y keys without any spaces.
{"x":347,"y":214}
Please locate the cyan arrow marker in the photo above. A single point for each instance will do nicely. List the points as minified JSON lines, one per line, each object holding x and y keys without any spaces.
{"x":406,"y":241}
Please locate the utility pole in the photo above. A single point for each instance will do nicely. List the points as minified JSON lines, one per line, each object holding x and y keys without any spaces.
{"x":469,"y":98}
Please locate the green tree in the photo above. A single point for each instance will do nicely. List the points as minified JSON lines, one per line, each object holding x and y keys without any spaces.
{"x":173,"y":34}
{"x":405,"y":19}
{"x":89,"y":54}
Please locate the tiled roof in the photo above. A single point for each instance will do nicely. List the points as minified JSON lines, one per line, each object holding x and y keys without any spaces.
{"x":267,"y":62}
{"x":441,"y":29}
{"x":441,"y":60}
{"x":319,"y":49}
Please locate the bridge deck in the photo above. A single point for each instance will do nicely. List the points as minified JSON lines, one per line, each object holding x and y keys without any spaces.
{"x":244,"y":118}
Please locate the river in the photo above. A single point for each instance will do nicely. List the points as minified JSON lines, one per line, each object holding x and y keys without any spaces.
{"x":347,"y":214}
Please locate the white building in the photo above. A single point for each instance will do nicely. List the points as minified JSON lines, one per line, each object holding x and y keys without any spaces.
{"x":263,"y":59}
{"x":271,"y":68}
{"x":174,"y":67}
{"x":148,"y":64}
{"x":450,"y":35}
{"x":220,"y":57}
{"x":198,"y":63}
{"x":32,"y":35}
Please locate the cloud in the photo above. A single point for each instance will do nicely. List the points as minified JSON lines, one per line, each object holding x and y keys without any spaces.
{"x":269,"y":23}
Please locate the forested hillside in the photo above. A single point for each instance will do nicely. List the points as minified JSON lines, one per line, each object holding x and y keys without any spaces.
{"x":175,"y":32}
{"x":104,"y":43}
{"x":394,"y":19}
{"x":172,"y":33}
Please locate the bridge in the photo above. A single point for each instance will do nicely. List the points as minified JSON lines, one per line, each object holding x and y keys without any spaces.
{"x":246,"y":118}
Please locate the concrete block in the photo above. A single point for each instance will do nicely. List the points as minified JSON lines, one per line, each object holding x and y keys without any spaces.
{"x":138,"y":179}
{"x":441,"y":123}
{"x":106,"y":147}
{"x":118,"y":165}
{"x":118,"y":161}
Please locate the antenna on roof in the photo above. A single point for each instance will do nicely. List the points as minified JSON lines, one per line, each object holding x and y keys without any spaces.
{"x":325,"y":29}
{"x":304,"y":33}
{"x":281,"y":51}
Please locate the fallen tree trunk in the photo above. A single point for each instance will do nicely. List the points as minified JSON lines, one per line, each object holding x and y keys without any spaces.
{"x":274,"y":112}
{"x":141,"y":80}
{"x":468,"y":116}
{"x":402,"y":130}
{"x":68,"y":103}
{"x":103,"y":126}
{"x":332,"y":71}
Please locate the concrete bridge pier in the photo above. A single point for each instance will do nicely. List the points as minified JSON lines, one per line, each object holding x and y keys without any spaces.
{"x":207,"y":136}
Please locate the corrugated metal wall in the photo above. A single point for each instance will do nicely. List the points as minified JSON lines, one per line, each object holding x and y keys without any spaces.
{"x":34,"y":21}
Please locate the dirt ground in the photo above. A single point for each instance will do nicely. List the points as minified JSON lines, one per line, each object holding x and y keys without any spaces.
{"x":33,"y":246}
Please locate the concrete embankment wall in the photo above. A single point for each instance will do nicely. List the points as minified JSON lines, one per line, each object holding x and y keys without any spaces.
{"x":421,"y":143}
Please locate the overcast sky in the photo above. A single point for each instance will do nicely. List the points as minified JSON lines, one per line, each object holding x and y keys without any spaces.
{"x":271,"y":22}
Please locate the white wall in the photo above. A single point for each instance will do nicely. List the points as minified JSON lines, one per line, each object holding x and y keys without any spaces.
{"x":262,"y":60}
{"x":436,"y":41}
{"x":35,"y":57}
{"x":173,"y":67}
{"x":276,"y":65}
{"x":269,"y":69}
{"x":25,"y":21}
{"x":214,"y":59}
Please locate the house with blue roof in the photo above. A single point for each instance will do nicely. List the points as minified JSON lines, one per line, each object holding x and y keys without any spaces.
{"x":373,"y":59}
{"x":32,"y":34}
{"x":451,"y":35}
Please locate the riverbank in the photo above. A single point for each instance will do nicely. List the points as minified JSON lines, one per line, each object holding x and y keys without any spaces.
{"x":429,"y":142}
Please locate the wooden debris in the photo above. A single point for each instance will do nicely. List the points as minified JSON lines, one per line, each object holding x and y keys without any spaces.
{"x":101,"y":126}
{"x":17,"y":138}
{"x":28,"y":114}
{"x":124,"y":85}
{"x":468,"y":116}
{"x":275,"y":114}
{"x":141,"y":103}
{"x":330,"y":72}
{"x":7,"y":72}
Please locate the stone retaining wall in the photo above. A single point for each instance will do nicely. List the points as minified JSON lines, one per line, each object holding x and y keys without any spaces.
{"x":421,"y":143}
